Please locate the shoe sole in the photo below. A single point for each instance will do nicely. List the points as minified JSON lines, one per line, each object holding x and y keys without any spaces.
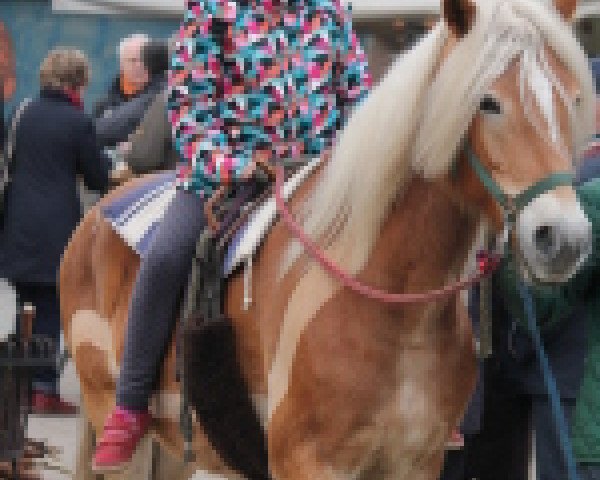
{"x":98,"y":469}
{"x":454,"y":446}
{"x":119,"y":468}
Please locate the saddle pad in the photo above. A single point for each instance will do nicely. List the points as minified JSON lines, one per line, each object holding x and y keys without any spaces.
{"x":136,"y":215}
{"x":246,"y":242}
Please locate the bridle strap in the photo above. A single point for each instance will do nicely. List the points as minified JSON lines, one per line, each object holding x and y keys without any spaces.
{"x":543,"y":186}
{"x":486,"y":179}
{"x":513,"y":205}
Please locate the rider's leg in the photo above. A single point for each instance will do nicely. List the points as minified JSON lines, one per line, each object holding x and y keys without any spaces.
{"x":155,"y":299}
{"x":152,"y":314}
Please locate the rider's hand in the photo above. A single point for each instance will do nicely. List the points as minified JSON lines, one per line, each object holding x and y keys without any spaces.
{"x":262,"y":163}
{"x":121,"y":173}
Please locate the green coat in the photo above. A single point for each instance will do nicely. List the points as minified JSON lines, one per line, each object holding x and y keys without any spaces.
{"x":554,"y":303}
{"x":586,"y":424}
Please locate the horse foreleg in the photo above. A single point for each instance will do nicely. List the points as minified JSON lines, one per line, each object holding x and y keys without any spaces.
{"x":85,"y":449}
{"x":140,"y":467}
{"x":168,"y":467}
{"x":429,"y":469}
{"x":302,"y":463}
{"x":401,"y":460}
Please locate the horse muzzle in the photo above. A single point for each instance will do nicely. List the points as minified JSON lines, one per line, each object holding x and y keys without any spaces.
{"x":555,"y":238}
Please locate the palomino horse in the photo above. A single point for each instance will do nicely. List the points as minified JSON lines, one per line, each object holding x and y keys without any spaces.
{"x":348,"y":387}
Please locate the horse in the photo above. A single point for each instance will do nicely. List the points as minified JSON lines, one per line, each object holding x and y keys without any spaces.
{"x":348,"y":387}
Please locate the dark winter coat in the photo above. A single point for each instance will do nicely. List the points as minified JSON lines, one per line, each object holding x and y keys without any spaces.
{"x":117,"y":123}
{"x":596,"y":71}
{"x":568,"y":315}
{"x":55,"y":142}
{"x":152,"y":143}
{"x":590,"y":169}
{"x":113,"y":98}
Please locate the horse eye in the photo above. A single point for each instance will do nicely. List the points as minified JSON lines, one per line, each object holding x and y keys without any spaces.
{"x":490,"y":105}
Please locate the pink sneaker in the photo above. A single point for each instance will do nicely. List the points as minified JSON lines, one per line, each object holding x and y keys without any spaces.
{"x":122,"y":433}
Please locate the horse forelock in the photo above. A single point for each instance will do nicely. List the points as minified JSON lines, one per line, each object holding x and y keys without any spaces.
{"x":505,"y":31}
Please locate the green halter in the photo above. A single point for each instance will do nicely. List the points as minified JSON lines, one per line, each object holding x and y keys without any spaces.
{"x":513,"y":205}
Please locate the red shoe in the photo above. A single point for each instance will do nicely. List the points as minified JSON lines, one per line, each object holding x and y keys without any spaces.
{"x":122,"y":433}
{"x":51,"y":404}
{"x":456,"y":441}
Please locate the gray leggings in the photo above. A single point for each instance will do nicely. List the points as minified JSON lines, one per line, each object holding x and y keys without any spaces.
{"x":156,"y":297}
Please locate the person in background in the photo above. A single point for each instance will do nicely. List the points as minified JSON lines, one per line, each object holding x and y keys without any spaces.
{"x":596,"y":71}
{"x":511,"y":396}
{"x":591,"y":167}
{"x":55,"y":142}
{"x":132,"y":79}
{"x":151,"y":147}
{"x":115,"y":126}
{"x":8,"y":81}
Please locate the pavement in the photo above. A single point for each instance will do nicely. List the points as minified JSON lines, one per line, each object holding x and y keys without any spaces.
{"x":62,"y":432}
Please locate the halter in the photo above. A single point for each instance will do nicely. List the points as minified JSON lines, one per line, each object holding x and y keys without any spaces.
{"x":513,"y":205}
{"x":487,"y":263}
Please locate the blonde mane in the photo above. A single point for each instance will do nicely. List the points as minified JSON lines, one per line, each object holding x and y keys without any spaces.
{"x":415,"y":119}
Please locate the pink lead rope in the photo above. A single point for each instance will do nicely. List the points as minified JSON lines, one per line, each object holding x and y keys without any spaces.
{"x":486,"y":263}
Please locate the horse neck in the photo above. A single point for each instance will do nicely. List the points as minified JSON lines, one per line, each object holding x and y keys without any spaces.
{"x":425,"y":241}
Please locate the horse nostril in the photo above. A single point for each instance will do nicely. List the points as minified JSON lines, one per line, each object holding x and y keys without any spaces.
{"x":544,"y":239}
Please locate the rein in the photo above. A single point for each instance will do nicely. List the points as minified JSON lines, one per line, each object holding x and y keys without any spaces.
{"x":487,"y":262}
{"x":560,"y":421}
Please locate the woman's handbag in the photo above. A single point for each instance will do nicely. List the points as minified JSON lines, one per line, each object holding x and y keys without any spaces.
{"x":7,"y":158}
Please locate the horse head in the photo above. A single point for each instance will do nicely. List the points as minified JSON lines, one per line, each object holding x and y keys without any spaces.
{"x":527,"y":107}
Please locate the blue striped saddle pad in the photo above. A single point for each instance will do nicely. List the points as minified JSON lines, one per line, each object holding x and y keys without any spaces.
{"x":136,"y":215}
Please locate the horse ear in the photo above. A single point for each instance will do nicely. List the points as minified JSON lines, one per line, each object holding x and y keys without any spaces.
{"x":566,"y":8}
{"x":459,"y":15}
